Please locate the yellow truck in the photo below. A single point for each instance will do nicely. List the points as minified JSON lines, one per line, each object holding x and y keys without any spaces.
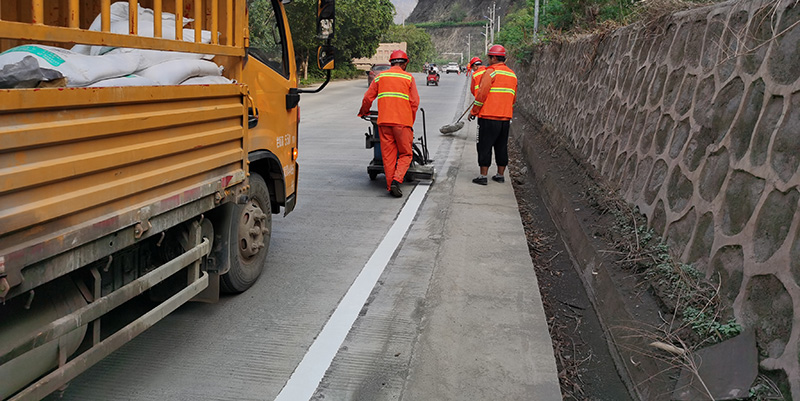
{"x":112,"y":192}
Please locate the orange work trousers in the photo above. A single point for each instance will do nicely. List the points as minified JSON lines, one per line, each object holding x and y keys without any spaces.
{"x":397,"y":152}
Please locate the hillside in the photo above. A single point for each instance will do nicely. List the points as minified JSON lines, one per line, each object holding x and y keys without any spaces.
{"x":403,"y":9}
{"x":455,"y":40}
{"x":469,"y":10}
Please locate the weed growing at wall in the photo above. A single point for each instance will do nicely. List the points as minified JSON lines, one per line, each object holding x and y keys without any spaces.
{"x":683,"y":289}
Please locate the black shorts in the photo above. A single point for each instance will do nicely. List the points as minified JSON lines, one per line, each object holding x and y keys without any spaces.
{"x":493,"y":134}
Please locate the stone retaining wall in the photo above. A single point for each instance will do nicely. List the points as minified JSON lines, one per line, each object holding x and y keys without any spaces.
{"x":696,"y":119}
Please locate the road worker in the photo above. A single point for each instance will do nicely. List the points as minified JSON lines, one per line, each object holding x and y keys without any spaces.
{"x":494,"y":107}
{"x":477,"y":71}
{"x":398,"y":102}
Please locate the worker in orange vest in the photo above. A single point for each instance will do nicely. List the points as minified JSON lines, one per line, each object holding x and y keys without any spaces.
{"x":398,"y":102}
{"x":494,"y":107}
{"x":477,"y":72}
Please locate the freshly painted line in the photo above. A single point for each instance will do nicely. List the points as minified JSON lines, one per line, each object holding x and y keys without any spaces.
{"x":306,"y":377}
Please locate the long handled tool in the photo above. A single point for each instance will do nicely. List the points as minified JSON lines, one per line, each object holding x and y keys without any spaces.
{"x":450,"y":128}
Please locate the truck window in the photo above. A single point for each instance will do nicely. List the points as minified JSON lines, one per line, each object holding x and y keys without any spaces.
{"x":267,"y":35}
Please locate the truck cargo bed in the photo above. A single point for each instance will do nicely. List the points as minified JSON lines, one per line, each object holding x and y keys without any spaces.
{"x":81,"y":165}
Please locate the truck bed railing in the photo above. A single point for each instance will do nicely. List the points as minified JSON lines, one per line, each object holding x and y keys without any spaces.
{"x":91,"y":312}
{"x":30,"y":20}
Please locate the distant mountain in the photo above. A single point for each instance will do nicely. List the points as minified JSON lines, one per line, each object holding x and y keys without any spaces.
{"x":467,"y":10}
{"x":464,"y":41}
{"x":404,"y":9}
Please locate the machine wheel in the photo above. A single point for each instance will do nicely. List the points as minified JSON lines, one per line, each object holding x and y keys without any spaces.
{"x":372,"y":176}
{"x":251,"y":228}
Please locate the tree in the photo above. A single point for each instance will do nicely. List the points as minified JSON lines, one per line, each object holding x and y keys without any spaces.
{"x":518,"y":32}
{"x":359,"y":26}
{"x":419,"y":46}
{"x":302,"y":15}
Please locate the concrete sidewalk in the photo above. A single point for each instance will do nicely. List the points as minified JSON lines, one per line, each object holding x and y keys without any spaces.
{"x":484,"y":335}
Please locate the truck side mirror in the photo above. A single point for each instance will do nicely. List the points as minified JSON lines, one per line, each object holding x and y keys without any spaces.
{"x":326,"y":15}
{"x":325,"y":57}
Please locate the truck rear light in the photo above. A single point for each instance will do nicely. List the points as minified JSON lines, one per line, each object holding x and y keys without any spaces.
{"x":294,"y":154}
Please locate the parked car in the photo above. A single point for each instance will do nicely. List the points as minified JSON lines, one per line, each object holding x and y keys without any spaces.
{"x":451,"y":67}
{"x":375,"y":70}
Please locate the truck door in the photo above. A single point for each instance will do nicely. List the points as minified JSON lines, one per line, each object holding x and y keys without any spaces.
{"x":269,"y":72}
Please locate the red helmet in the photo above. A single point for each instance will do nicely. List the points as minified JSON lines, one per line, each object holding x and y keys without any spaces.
{"x":497,"y":50}
{"x":475,"y":60}
{"x":398,"y":56}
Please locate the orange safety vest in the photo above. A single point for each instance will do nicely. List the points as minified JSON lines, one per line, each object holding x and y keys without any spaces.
{"x":397,"y":96}
{"x":476,"y":79}
{"x":496,"y":93}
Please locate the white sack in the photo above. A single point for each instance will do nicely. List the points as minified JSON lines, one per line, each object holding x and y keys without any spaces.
{"x":176,"y":71}
{"x":148,"y":58}
{"x":79,"y":69}
{"x":128,"y":80}
{"x":119,"y":24}
{"x":207,"y":80}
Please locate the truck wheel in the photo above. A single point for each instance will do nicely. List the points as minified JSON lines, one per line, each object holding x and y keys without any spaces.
{"x":251,"y":228}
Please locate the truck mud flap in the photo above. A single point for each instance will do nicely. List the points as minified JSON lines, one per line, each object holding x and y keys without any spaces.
{"x":101,"y":306}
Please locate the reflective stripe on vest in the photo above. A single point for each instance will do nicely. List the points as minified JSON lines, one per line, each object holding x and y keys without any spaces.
{"x":502,"y":90}
{"x":476,"y":79}
{"x":392,"y":74}
{"x":393,"y":94}
{"x":506,"y":73}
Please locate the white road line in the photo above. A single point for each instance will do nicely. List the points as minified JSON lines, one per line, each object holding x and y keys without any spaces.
{"x":306,"y":377}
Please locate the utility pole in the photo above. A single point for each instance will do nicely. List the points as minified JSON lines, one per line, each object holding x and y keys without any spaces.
{"x":492,"y":21}
{"x":469,"y":45}
{"x":486,"y":39}
{"x":498,"y":20}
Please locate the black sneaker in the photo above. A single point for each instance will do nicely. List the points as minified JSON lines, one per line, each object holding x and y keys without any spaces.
{"x":498,"y":178}
{"x":480,"y":180}
{"x":395,"y":189}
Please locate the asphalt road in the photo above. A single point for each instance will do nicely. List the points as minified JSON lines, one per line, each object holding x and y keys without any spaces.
{"x":246,"y":347}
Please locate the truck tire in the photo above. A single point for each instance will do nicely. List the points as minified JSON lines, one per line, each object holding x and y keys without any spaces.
{"x":251,"y":228}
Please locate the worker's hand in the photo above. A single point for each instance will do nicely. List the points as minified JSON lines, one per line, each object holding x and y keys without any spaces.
{"x":471,"y":117}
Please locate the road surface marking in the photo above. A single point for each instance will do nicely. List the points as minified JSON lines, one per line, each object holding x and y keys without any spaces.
{"x":306,"y":377}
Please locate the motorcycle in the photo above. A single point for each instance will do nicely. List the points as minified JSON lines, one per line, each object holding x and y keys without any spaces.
{"x":433,"y":78}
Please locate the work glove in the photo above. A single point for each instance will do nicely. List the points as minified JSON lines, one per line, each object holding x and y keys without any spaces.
{"x":471,"y":117}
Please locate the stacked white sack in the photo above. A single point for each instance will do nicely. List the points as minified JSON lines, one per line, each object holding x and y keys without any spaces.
{"x":119,"y":25}
{"x":176,"y":71}
{"x":79,"y":69}
{"x":107,"y":66}
{"x":155,"y":67}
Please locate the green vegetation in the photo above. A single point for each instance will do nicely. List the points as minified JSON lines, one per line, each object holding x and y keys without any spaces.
{"x":557,"y":16}
{"x":680,"y":286}
{"x":559,"y":19}
{"x":517,"y":34}
{"x":418,"y":44}
{"x":359,"y":27}
{"x":571,"y":14}
{"x":457,"y":14}
{"x":448,"y":24}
